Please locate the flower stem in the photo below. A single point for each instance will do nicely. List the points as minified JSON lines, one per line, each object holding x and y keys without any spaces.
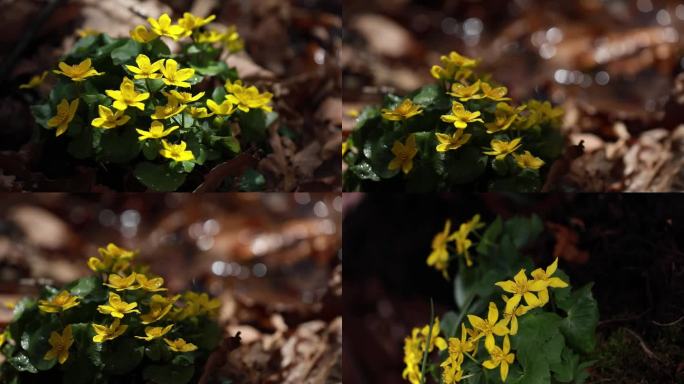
{"x":427,"y":342}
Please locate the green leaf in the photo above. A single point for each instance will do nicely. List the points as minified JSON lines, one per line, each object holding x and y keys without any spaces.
{"x":364,"y":171}
{"x":464,"y":165}
{"x":538,"y":345}
{"x":432,"y":96}
{"x":232,"y":144}
{"x":95,"y":99}
{"x":210,"y":336}
{"x":42,"y":113}
{"x":524,"y":230}
{"x":84,"y":286}
{"x":490,"y":237}
{"x":448,"y":324}
{"x":21,"y":363}
{"x":126,"y":52}
{"x":119,"y":145}
{"x":254,"y":123}
{"x":150,"y":149}
{"x":579,"y":327}
{"x":564,"y":371}
{"x":81,"y":146}
{"x":122,"y":355}
{"x":158,"y":48}
{"x":252,"y":181}
{"x":158,"y":177}
{"x":36,"y":344}
{"x":84,"y":46}
{"x":219,"y":94}
{"x":212,"y":68}
{"x":169,"y":374}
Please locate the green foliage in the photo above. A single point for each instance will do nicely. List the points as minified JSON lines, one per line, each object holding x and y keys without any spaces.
{"x":467,"y":166}
{"x":199,"y":129}
{"x":554,"y":341}
{"x":123,"y":359}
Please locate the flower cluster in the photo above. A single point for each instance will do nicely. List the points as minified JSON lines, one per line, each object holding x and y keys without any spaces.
{"x":416,"y":345}
{"x":439,"y":257}
{"x":132,"y":101}
{"x":495,"y":330}
{"x":467,"y":122}
{"x":123,"y":302}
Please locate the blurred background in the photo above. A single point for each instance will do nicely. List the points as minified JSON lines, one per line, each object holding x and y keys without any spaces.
{"x":630,"y":246}
{"x":614,"y":65}
{"x":274,"y":260}
{"x":291,"y":49}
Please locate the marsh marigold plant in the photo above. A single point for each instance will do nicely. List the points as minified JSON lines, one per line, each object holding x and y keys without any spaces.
{"x":464,"y":132}
{"x":514,"y":323}
{"x":119,"y":325}
{"x":132,"y":105}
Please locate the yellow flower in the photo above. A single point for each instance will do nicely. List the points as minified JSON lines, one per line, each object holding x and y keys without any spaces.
{"x":403,"y":155}
{"x":450,"y":143}
{"x":232,"y":40}
{"x":151,"y":285}
{"x":183,"y":97}
{"x":466,"y":92}
{"x":490,"y":327}
{"x":180,"y":345}
{"x":127,"y":96}
{"x":83,"y":32}
{"x":545,"y":276}
{"x":60,"y":344}
{"x":520,"y":287}
{"x":496,"y":94}
{"x":345,"y":147}
{"x":156,"y":131}
{"x":108,"y":119}
{"x":452,"y":64}
{"x":142,"y":35}
{"x":543,"y":112}
{"x":65,"y":114}
{"x":113,"y":258}
{"x":501,"y":148}
{"x":211,"y":36}
{"x":225,"y":109}
{"x":246,"y":98}
{"x":435,"y":339}
{"x":59,"y":303}
{"x":504,"y":116}
{"x":174,"y":76}
{"x":452,"y":373}
{"x":2,"y":338}
{"x":501,"y":357}
{"x":512,"y":317}
{"x":171,"y":109}
{"x":191,"y":22}
{"x":460,"y":237}
{"x":111,"y":332}
{"x":35,"y":81}
{"x":159,"y":307}
{"x":528,"y":160}
{"x":146,"y":69}
{"x":176,"y":152}
{"x":155,"y":332}
{"x":439,"y":257}
{"x":460,"y":117}
{"x":78,"y":72}
{"x":121,"y":283}
{"x":203,"y":304}
{"x":458,"y":347}
{"x":200,"y":113}
{"x":406,"y":110}
{"x":412,"y":358}
{"x":117,"y":307}
{"x":163,"y":27}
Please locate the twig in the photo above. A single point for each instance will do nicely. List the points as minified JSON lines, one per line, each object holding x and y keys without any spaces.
{"x":668,"y":324}
{"x":12,"y":59}
{"x":625,"y":319}
{"x":645,"y":347}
